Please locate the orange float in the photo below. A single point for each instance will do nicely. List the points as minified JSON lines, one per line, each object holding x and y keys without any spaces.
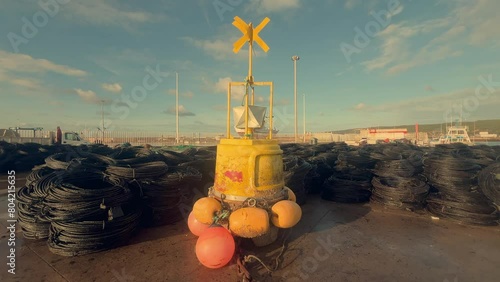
{"x":215,"y":247}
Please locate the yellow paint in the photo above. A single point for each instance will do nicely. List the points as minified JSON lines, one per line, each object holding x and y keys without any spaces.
{"x":249,"y":222}
{"x":250,"y":34}
{"x":249,"y":167}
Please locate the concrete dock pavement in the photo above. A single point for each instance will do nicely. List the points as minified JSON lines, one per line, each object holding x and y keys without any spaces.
{"x":332,"y":242}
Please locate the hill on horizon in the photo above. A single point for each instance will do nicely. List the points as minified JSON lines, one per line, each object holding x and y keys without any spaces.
{"x":492,"y":126}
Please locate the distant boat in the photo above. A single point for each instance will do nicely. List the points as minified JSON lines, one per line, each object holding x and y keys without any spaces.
{"x":454,"y":134}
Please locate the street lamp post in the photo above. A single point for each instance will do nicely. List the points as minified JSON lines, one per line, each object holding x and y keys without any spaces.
{"x":102,"y":120}
{"x":295,"y":59}
{"x":176,"y":108}
{"x":304,"y":117}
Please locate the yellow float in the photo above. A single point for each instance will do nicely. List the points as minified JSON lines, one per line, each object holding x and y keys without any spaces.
{"x":205,"y":209}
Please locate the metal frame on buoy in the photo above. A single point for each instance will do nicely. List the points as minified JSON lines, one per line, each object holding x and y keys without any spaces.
{"x":250,"y":35}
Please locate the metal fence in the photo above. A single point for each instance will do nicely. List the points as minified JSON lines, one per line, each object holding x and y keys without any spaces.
{"x":138,"y":138}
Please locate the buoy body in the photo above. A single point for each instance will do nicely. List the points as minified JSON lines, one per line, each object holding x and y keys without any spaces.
{"x":248,"y":168}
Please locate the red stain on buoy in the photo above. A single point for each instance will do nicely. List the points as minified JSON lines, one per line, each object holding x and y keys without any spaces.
{"x":235,"y":176}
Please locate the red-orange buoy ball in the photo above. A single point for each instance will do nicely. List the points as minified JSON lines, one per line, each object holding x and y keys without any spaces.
{"x":196,"y":227}
{"x":215,"y":247}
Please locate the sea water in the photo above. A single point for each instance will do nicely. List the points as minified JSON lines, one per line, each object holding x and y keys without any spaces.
{"x":493,"y":143}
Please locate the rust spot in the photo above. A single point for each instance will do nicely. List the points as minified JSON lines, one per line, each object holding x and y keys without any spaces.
{"x":235,"y":176}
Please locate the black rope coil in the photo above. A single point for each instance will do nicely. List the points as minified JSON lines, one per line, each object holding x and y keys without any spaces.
{"x":37,"y":173}
{"x":399,"y":168}
{"x":400,"y":192}
{"x":347,"y":189}
{"x":462,"y":212}
{"x":138,"y":170}
{"x":91,"y":236}
{"x":33,"y":222}
{"x":489,"y":182}
{"x":453,"y":172}
{"x":295,"y":171}
{"x":163,"y":196}
{"x":85,"y":195}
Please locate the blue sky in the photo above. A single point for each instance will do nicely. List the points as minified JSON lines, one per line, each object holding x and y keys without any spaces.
{"x":362,"y":63}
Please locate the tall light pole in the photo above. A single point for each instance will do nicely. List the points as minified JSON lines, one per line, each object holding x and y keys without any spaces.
{"x":176,"y":108}
{"x":304,"y":113}
{"x":102,"y":120}
{"x":295,"y":59}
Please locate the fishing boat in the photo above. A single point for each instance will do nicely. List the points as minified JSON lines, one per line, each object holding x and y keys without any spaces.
{"x":454,"y":134}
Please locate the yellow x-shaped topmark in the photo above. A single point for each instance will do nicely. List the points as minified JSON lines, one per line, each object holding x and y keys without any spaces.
{"x":250,"y":34}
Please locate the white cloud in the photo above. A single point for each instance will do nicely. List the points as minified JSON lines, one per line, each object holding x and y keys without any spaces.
{"x":88,"y":96}
{"x":469,"y":23}
{"x":114,"y":87}
{"x":270,"y":6}
{"x":360,"y":106}
{"x":106,"y":13}
{"x":27,"y":83}
{"x":484,"y":105}
{"x":182,"y":111}
{"x":21,"y":71}
{"x":351,"y":4}
{"x":222,"y":49}
{"x":237,"y":92}
{"x":481,"y":19}
{"x":24,"y":63}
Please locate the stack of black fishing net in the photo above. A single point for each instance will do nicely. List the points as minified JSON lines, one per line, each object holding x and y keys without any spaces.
{"x":31,"y":209}
{"x":398,"y":182}
{"x":351,"y":181}
{"x":454,"y":175}
{"x":484,"y":155}
{"x":204,"y":162}
{"x":89,"y":212}
{"x":489,"y":182}
{"x":165,"y":197}
{"x":23,"y":157}
{"x":322,"y":168}
{"x":295,"y":170}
